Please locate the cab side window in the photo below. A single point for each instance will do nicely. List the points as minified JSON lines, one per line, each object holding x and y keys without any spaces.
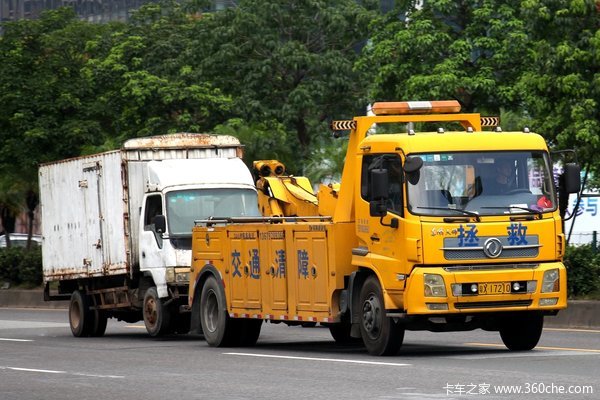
{"x":153,"y":208}
{"x":393,"y":164}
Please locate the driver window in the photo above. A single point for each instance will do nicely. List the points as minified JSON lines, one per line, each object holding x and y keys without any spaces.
{"x":393,"y":164}
{"x":153,"y":208}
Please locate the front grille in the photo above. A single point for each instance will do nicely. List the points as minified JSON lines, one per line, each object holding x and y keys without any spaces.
{"x":474,"y":254}
{"x":488,"y":267}
{"x":457,"y":249}
{"x":493,"y":304}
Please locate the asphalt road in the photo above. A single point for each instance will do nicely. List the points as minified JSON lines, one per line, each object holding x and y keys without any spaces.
{"x":39,"y":359}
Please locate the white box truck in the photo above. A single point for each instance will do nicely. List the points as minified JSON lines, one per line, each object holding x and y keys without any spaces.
{"x":117,"y":226}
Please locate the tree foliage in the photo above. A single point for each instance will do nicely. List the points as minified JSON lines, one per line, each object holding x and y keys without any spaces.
{"x":274,"y":73}
{"x":145,"y":84}
{"x":290,"y":62}
{"x":469,"y":50}
{"x":561,"y":87}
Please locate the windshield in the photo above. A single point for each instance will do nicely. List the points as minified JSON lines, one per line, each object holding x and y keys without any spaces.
{"x":485,"y":183}
{"x":186,"y":206}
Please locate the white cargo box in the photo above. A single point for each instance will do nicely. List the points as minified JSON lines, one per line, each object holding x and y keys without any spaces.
{"x":90,"y":205}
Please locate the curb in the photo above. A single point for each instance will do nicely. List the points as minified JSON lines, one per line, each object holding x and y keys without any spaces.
{"x":579,"y":313}
{"x":28,"y":299}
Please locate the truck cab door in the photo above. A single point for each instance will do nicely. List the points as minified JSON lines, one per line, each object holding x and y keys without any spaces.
{"x":381,"y":226}
{"x":151,"y":238}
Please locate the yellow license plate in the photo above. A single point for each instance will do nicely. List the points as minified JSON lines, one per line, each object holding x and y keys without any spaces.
{"x":494,"y":288}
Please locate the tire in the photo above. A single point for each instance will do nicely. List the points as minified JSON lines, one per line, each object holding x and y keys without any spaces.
{"x":156,"y":316}
{"x":180,"y":323}
{"x":522,"y":332}
{"x":80,"y":317}
{"x":249,"y":331}
{"x":99,"y":323}
{"x":218,"y":328}
{"x":341,"y":333}
{"x":381,"y":335}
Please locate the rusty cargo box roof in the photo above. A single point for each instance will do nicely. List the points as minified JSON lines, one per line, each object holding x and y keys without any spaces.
{"x":181,"y":140}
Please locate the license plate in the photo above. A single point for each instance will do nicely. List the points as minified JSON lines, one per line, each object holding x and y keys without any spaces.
{"x":494,"y":288}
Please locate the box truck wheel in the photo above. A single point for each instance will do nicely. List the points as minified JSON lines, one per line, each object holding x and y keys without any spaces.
{"x":522,"y":332}
{"x":156,"y":315}
{"x":81,"y":318}
{"x":381,"y":335}
{"x":219,"y":330}
{"x":99,"y":323}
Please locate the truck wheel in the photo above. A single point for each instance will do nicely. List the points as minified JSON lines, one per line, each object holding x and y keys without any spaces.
{"x":180,"y":323}
{"x":99,"y":323}
{"x":381,"y":335}
{"x":218,"y":328}
{"x":341,"y":333}
{"x":156,"y":315}
{"x":249,"y":331}
{"x":522,"y":332}
{"x":80,"y":317}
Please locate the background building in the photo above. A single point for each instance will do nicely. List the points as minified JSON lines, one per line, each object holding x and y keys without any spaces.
{"x":97,"y":10}
{"x":90,"y":10}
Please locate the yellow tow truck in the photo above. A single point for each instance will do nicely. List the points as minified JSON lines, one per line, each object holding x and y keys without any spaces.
{"x":438,"y":231}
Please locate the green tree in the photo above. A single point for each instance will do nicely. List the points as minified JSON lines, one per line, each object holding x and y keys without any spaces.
{"x":469,"y":50}
{"x":289,"y":62}
{"x":43,"y":102}
{"x":561,"y":88}
{"x":145,"y":84}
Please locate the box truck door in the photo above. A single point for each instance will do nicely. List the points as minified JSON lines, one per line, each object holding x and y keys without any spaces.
{"x":92,"y":194}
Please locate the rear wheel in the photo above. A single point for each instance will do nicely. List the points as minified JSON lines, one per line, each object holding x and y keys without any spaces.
{"x":217,"y":326}
{"x":156,"y":316}
{"x":522,"y":332}
{"x":381,"y":335}
{"x":80,"y":317}
{"x":99,"y":321}
{"x":249,"y":332}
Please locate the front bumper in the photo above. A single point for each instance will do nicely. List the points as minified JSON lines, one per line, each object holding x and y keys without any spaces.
{"x":415,"y":302}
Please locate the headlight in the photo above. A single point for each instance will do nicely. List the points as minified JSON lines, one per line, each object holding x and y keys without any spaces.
{"x":551,"y":281}
{"x":434,"y":285}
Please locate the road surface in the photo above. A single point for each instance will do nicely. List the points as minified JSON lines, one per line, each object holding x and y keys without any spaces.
{"x":40,"y":359}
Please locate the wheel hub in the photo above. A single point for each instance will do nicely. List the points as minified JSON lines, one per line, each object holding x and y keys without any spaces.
{"x":372,"y":316}
{"x":211,"y":315}
{"x":150,"y":311}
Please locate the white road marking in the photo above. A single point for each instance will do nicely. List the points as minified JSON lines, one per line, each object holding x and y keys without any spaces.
{"x":7,"y":324}
{"x":572,"y":330}
{"x":340,"y":360}
{"x":49,"y":371}
{"x":15,"y":340}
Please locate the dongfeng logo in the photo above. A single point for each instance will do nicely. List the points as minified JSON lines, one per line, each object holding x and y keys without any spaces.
{"x":492,"y":248}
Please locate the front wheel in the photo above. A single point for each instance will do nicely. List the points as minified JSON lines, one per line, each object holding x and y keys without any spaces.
{"x":381,"y":335}
{"x":156,"y":316}
{"x":341,"y":332}
{"x":522,"y":332}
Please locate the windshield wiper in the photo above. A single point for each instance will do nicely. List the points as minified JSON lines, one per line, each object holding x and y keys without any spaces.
{"x":463,"y":212}
{"x":531,"y":210}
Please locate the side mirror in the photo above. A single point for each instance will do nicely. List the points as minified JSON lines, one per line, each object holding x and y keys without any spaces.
{"x":413,"y":164}
{"x":377,"y":208}
{"x":379,"y":192}
{"x":572,"y":178}
{"x":380,"y":185}
{"x":160,"y":224}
